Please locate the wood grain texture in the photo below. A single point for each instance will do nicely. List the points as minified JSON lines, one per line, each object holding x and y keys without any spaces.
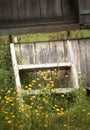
{"x":87,"y":46}
{"x":56,"y":52}
{"x":66,"y":9}
{"x":76,"y":51}
{"x":21,"y":9}
{"x":15,"y":12}
{"x":28,"y":9}
{"x":1,"y":11}
{"x":35,"y":9}
{"x":42,"y":53}
{"x":15,"y":66}
{"x":43,"y":9}
{"x":50,"y":8}
{"x":83,"y":65}
{"x":57,"y":8}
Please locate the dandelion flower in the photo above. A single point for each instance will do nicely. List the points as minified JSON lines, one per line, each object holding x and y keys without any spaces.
{"x":62,"y":95}
{"x":53,"y":90}
{"x":46,"y":116}
{"x":88,"y":113}
{"x":45,"y":125}
{"x":9,"y":121}
{"x":65,"y":125}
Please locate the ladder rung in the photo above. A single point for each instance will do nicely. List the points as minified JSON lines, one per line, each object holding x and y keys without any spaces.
{"x":57,"y":90}
{"x":44,"y":66}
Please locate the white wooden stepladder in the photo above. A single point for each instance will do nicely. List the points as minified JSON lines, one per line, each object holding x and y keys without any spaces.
{"x":71,"y":64}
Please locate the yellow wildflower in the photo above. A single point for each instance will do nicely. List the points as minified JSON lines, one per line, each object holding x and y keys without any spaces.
{"x":57,"y":110}
{"x":45,"y":125}
{"x":13,"y":116}
{"x":33,"y":81}
{"x":39,"y":85}
{"x":27,"y":116}
{"x":43,"y":99}
{"x":84,"y":110}
{"x":30,"y":107}
{"x":46,"y":116}
{"x":62,"y":95}
{"x":53,"y":90}
{"x":48,"y":71}
{"x":52,"y":85}
{"x":62,"y":109}
{"x":9,"y":121}
{"x":66,"y":76}
{"x":17,"y":90}
{"x":26,"y":87}
{"x":38,"y":91}
{"x":37,"y":79}
{"x":55,"y":105}
{"x":36,"y":110}
{"x":29,"y":89}
{"x":30,"y":85}
{"x":12,"y":104}
{"x":20,"y":126}
{"x":88,"y":113}
{"x":6,"y":118}
{"x":65,"y":125}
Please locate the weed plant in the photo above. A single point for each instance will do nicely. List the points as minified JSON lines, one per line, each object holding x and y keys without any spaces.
{"x":45,"y":111}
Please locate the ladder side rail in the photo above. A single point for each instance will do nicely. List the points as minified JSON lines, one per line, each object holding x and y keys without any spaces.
{"x":73,"y":68}
{"x":15,"y":66}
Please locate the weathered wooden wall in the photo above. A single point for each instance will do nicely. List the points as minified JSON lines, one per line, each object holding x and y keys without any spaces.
{"x":84,"y":9}
{"x":33,"y":9}
{"x":55,"y":52}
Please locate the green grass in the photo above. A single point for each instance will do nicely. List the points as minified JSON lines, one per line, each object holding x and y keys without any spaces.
{"x":39,"y":37}
{"x":48,"y":111}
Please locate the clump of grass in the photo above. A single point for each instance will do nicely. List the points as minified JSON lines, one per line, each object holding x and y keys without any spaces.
{"x":45,"y":111}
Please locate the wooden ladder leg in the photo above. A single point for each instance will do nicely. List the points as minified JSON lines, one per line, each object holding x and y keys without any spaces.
{"x":15,"y":66}
{"x":74,"y":73}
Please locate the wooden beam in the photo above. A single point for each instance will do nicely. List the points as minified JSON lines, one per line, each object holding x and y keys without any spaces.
{"x":44,"y":66}
{"x":74,"y":74}
{"x":57,"y":90}
{"x":15,"y":66}
{"x":37,"y":29}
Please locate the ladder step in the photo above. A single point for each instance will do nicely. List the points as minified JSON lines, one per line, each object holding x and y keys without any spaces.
{"x":57,"y":90}
{"x":63,"y":65}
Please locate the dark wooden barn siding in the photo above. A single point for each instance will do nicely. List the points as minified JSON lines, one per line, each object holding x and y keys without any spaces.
{"x":11,"y":10}
{"x":84,"y":9}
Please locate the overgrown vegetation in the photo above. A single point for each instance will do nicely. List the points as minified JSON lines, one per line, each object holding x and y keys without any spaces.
{"x":48,"y":36}
{"x":46,"y":111}
{"x":6,"y":71}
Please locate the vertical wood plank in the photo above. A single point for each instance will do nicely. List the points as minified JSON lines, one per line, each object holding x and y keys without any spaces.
{"x":74,"y":75}
{"x":82,"y":4}
{"x":83,"y":64}
{"x":57,"y":8}
{"x":50,"y":8}
{"x":15,"y":66}
{"x":87,"y":17}
{"x":1,"y":10}
{"x":15,"y":11}
{"x":56,"y":52}
{"x":43,"y":8}
{"x":87,"y":44}
{"x":28,"y":7}
{"x":21,"y":9}
{"x":41,"y":53}
{"x":66,"y":8}
{"x":27,"y":53}
{"x":76,"y":52}
{"x":35,"y":8}
{"x":8,"y":10}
